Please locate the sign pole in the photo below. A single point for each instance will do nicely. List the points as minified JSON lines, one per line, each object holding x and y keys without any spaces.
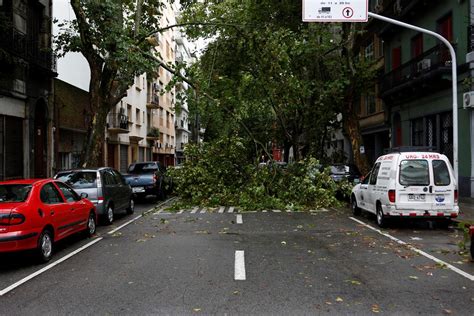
{"x":454,"y":82}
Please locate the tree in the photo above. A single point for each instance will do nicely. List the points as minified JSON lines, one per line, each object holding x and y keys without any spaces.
{"x":112,"y":36}
{"x":264,"y":65}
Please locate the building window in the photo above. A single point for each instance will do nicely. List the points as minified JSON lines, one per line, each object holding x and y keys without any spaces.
{"x":417,"y":132}
{"x":137,"y":116}
{"x":417,"y":45}
{"x":370,"y":104}
{"x":369,"y":51}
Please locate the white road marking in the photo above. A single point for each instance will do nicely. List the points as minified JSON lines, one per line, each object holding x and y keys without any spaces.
{"x":264,"y":211}
{"x":55,"y":263}
{"x":221,"y":209}
{"x":160,"y":211}
{"x":239,"y":219}
{"x":421,"y":252}
{"x":123,"y":225}
{"x":180,"y":212}
{"x":231,"y":209}
{"x":194,"y":210}
{"x":288,"y":211}
{"x":203,"y":211}
{"x":239,"y":268}
{"x":49,"y":266}
{"x":276,"y":211}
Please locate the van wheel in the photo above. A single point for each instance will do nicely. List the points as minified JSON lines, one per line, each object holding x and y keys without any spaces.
{"x":355,"y":209}
{"x":381,"y":220}
{"x":109,"y":215}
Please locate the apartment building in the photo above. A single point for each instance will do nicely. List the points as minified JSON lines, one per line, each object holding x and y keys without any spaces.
{"x":27,"y":69}
{"x":163,"y":117}
{"x":182,"y":124}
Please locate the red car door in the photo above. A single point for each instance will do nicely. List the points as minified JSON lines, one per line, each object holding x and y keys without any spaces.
{"x":78,"y":208}
{"x":56,"y":210}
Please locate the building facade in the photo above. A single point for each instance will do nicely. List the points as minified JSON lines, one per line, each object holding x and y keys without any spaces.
{"x":27,"y":69}
{"x":182,"y":124}
{"x":416,"y":83}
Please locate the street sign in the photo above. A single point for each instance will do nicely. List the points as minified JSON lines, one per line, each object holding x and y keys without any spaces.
{"x":335,"y":10}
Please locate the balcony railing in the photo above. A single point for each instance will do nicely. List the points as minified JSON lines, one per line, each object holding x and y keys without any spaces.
{"x":436,"y":60}
{"x":19,"y":45}
{"x":117,"y":122}
{"x":153,"y":101}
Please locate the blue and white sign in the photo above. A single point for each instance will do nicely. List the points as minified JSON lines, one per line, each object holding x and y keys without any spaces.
{"x":335,"y":11}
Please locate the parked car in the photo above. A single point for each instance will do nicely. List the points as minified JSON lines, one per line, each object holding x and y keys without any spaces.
{"x":148,"y":178}
{"x":408,"y":184}
{"x":471,"y":233}
{"x":106,"y":188}
{"x":347,"y":172}
{"x":34,"y":214}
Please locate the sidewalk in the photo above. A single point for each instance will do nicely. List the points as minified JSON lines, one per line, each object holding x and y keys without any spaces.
{"x":466,"y":210}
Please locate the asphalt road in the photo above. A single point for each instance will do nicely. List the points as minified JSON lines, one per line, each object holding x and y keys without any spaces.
{"x":295,"y":264}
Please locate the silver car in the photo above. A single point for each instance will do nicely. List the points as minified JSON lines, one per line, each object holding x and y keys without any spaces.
{"x":105,"y":187}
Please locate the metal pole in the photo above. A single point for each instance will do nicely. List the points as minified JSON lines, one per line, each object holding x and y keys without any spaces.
{"x":454,"y":81}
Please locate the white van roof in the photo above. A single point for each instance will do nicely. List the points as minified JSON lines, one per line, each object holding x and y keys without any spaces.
{"x":429,"y":155}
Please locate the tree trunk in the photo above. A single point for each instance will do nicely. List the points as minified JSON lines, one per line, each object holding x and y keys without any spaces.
{"x":95,"y":138}
{"x":351,"y":128}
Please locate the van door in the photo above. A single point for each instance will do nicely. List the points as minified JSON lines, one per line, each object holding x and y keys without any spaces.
{"x":414,"y":185}
{"x":372,"y":191}
{"x":362,"y":193}
{"x":443,"y":186}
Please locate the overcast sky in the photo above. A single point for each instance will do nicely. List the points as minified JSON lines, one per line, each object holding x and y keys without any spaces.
{"x":73,"y":68}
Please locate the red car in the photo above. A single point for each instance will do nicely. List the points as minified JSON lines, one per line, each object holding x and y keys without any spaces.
{"x":35,"y":213}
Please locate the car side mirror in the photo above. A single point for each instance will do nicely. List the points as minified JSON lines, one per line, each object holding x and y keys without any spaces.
{"x":84,"y":195}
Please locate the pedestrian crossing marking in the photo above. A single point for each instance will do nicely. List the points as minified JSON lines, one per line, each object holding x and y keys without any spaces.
{"x":232,"y":209}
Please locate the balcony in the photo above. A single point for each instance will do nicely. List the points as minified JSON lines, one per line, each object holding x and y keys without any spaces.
{"x":117,"y":123}
{"x":181,"y":126}
{"x":428,"y":72}
{"x":153,"y":101}
{"x":19,"y":45}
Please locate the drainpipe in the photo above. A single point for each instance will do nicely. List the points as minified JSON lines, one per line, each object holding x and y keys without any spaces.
{"x":470,"y":60}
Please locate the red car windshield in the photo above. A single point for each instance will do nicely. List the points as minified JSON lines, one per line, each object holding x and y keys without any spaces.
{"x":11,"y":193}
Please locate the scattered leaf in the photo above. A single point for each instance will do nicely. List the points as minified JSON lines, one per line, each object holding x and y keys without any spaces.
{"x":339,"y":299}
{"x":447,"y":311}
{"x":375,"y":308}
{"x":328,"y":303}
{"x":196,"y":310}
{"x":283,"y":242}
{"x":413,"y":277}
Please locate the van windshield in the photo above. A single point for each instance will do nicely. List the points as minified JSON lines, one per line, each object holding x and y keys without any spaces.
{"x":441,"y":173}
{"x":414,"y":172}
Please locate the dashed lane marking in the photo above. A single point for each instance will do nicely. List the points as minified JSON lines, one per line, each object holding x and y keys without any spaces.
{"x":221,"y":209}
{"x":239,"y":219}
{"x":239,"y":266}
{"x":194,"y":210}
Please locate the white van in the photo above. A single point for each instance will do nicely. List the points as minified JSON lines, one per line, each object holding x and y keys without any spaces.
{"x":408,"y":184}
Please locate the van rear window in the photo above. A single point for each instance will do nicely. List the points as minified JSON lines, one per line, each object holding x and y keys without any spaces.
{"x":414,"y":172}
{"x":441,"y":173}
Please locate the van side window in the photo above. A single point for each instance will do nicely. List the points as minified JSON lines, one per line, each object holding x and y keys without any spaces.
{"x":366,"y":179}
{"x":441,"y":173}
{"x":414,"y":172}
{"x":375,"y":173}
